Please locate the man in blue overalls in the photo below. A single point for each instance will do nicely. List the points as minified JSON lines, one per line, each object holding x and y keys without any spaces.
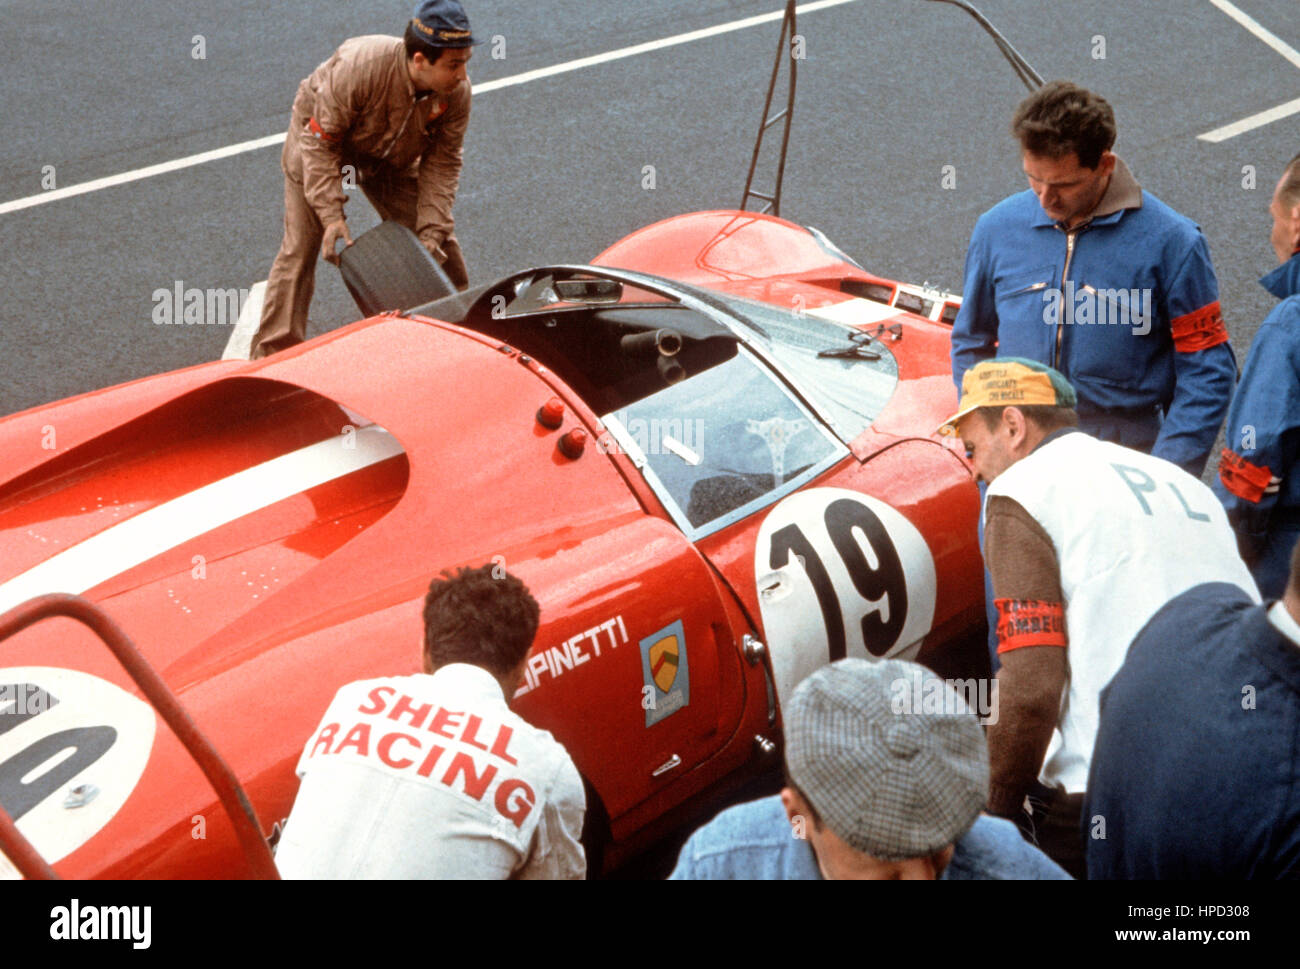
{"x":1258,"y":480}
{"x":1093,"y":276}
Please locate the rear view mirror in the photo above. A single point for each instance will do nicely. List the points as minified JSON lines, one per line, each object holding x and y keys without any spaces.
{"x":589,"y":290}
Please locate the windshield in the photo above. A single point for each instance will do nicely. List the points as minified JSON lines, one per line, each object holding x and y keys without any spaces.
{"x":851,"y":389}
{"x":723,"y":443}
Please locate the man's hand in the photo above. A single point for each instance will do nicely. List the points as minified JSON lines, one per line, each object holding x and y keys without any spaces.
{"x":333,"y":233}
{"x":452,"y":261}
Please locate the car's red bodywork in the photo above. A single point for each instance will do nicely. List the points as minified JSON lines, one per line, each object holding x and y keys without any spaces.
{"x":255,"y":606}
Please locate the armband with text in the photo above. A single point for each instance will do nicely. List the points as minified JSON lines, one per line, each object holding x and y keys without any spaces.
{"x":1199,"y":330}
{"x":1030,"y":622}
{"x":1247,"y":481}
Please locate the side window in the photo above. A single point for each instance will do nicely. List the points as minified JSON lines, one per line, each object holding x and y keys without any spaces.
{"x":723,"y":443}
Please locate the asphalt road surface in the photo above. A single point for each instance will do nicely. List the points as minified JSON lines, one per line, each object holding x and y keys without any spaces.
{"x":890,"y":92}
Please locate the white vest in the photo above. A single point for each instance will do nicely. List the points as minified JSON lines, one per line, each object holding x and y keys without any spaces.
{"x":1131,"y":532}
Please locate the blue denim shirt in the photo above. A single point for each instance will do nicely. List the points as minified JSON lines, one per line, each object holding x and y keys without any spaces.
{"x":755,"y":841}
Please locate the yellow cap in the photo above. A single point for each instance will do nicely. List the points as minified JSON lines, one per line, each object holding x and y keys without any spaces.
{"x":1009,"y":381}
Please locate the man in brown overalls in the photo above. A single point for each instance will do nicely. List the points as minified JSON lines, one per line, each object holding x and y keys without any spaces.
{"x":390,"y":112}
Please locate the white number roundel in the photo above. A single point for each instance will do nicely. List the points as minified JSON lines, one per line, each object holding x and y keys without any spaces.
{"x":72,"y":748}
{"x":840,"y":574}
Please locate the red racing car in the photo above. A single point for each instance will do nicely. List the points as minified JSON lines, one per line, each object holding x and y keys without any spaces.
{"x":710,"y":455}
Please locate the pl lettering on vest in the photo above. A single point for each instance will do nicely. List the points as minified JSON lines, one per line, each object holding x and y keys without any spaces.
{"x":1141,"y":483}
{"x":1132,"y":531}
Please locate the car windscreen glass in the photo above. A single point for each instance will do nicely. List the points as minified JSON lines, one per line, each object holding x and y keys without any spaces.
{"x":723,"y":443}
{"x":851,"y":389}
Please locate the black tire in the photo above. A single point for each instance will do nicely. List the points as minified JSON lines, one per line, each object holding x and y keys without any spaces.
{"x":595,"y":831}
{"x":388,"y":268}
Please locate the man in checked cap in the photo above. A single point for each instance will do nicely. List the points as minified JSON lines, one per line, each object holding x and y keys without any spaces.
{"x":886,"y":775}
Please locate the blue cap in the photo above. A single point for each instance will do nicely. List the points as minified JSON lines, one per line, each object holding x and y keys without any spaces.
{"x":443,"y":23}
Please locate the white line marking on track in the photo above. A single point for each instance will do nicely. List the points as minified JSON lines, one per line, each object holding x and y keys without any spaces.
{"x":1254,"y":121}
{"x":1279,"y":45}
{"x":136,"y":174}
{"x":1256,"y":28}
{"x":163,"y":527}
{"x":652,"y":45}
{"x":189,"y":161}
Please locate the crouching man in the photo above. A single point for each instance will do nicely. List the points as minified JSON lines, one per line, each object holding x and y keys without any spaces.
{"x":873,"y":791}
{"x":432,"y":775}
{"x":1196,"y":773}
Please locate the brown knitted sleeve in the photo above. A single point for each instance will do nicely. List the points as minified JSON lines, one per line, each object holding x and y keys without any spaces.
{"x":1026,"y":577}
{"x":1031,"y":633}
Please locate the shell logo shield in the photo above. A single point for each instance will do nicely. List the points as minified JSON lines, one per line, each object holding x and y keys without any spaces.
{"x":665,"y":673}
{"x":663,"y":662}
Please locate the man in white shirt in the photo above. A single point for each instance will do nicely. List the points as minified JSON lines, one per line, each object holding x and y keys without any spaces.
{"x":1085,"y":541}
{"x":432,"y":775}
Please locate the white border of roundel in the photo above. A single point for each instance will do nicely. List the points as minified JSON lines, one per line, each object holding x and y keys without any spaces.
{"x":792,"y":619}
{"x":84,"y":701}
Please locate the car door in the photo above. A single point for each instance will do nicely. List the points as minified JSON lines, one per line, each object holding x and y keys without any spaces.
{"x":821,"y":548}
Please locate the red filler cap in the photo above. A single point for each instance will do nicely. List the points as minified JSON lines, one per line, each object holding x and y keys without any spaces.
{"x":551,"y":414}
{"x":574,"y":443}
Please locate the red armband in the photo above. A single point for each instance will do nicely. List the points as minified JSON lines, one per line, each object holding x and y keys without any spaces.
{"x":1199,"y":330}
{"x":321,"y":133}
{"x":1030,"y":622}
{"x":1245,"y":480}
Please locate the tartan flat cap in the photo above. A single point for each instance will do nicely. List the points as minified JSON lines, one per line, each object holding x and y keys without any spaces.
{"x":890,"y":756}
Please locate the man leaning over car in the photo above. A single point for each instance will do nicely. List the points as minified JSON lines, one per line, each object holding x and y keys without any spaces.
{"x":1085,"y":540}
{"x":394,"y":110}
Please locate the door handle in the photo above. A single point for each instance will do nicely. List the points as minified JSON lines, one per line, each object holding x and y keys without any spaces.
{"x":666,"y":766}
